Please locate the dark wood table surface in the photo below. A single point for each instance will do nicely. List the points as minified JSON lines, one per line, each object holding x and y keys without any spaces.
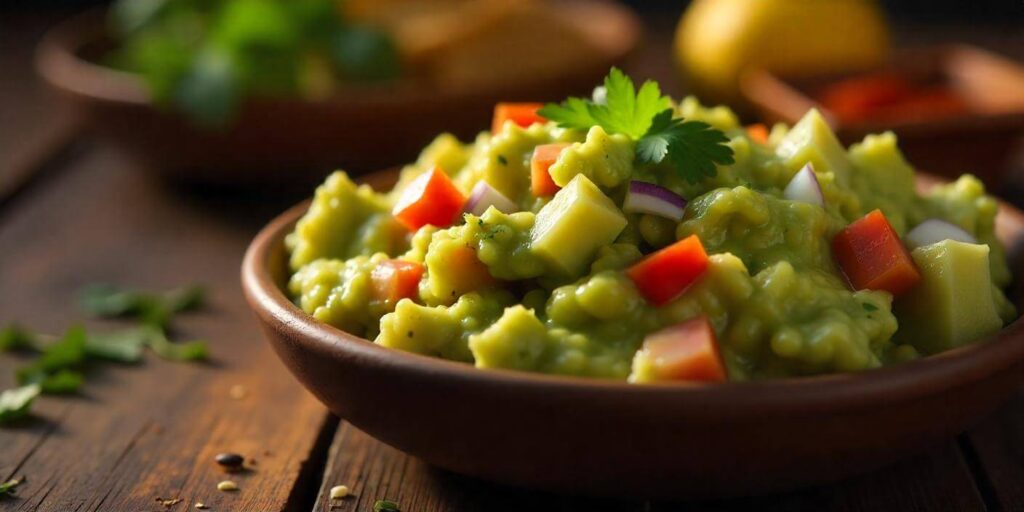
{"x":73,"y":211}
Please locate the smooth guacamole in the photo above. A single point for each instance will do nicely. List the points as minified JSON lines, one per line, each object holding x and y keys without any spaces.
{"x":544,"y":288}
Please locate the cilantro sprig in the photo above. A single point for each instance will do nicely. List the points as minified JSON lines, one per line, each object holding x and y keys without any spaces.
{"x":693,"y":148}
{"x":60,"y":361}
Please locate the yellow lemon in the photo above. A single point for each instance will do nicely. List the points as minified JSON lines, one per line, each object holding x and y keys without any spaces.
{"x":717,"y":40}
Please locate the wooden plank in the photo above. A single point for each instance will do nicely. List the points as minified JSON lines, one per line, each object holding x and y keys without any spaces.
{"x":997,"y":446}
{"x":139,"y":433}
{"x":936,"y":481}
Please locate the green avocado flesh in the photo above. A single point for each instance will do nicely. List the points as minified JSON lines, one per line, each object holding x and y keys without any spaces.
{"x":557,"y":299}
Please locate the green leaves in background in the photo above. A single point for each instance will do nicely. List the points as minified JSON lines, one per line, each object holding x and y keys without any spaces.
{"x":363,"y":54}
{"x":204,"y":57}
{"x":58,"y":367}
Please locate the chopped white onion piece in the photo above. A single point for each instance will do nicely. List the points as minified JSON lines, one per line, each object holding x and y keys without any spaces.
{"x":484,"y":196}
{"x":804,"y":187}
{"x":936,"y":230}
{"x":649,"y":198}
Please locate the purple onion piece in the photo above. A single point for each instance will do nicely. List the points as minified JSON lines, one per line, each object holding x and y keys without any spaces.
{"x":649,"y":198}
{"x":804,"y":187}
{"x":484,"y":196}
{"x":936,"y":230}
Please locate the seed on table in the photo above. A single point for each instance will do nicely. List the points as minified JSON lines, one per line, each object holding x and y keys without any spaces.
{"x":201,"y":506}
{"x":238,"y":392}
{"x":230,"y":461}
{"x":227,"y":485}
{"x":339,"y":491}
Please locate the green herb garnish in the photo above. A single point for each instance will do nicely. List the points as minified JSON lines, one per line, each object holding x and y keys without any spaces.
{"x":692,"y":147}
{"x":108,"y":301}
{"x":15,"y":404}
{"x":7,"y":488}
{"x":502,"y":160}
{"x":16,"y":338}
{"x":869,"y":306}
{"x":385,"y":506}
{"x":205,"y":57}
{"x":53,"y":369}
{"x":57,"y":368}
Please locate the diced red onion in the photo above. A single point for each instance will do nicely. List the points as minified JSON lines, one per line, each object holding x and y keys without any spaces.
{"x":484,"y":196}
{"x":804,"y":187}
{"x":649,"y":198}
{"x":600,"y":95}
{"x":936,"y":230}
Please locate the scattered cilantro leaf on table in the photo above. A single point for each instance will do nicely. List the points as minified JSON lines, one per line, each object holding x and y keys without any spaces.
{"x":106,"y":301}
{"x":15,"y":403}
{"x":692,"y":147}
{"x":57,"y":367}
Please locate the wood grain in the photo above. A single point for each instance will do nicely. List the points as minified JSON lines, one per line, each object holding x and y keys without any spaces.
{"x":139,"y":433}
{"x":937,"y":481}
{"x":997,"y":445}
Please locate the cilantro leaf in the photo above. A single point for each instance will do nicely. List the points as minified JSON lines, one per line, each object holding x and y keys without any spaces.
{"x":7,"y":488}
{"x":14,"y":337}
{"x":65,"y":354}
{"x":15,"y":404}
{"x":572,"y":113}
{"x":157,"y":341}
{"x":107,"y":301}
{"x":693,"y":147}
{"x":124,"y":346}
{"x":624,"y":110}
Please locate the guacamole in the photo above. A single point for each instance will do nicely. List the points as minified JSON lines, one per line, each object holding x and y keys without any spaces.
{"x":566,"y":282}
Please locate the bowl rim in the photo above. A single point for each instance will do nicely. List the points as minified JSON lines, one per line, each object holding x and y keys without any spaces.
{"x":58,"y":62}
{"x":869,"y":388}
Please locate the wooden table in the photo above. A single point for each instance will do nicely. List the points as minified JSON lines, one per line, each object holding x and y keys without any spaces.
{"x":74,"y":212}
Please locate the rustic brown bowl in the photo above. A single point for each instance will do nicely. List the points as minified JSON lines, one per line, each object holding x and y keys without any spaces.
{"x":274,"y":141}
{"x":600,"y":437}
{"x":981,"y":141}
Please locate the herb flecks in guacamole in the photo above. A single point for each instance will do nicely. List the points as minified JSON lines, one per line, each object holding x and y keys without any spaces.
{"x":556,"y":287}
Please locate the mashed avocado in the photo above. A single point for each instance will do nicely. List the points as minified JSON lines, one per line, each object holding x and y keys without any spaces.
{"x":544,"y":288}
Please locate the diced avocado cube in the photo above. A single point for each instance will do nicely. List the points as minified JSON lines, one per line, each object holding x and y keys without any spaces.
{"x":811,"y":140}
{"x":577,"y":222}
{"x":517,"y":341}
{"x":953,"y":303}
{"x":606,"y":159}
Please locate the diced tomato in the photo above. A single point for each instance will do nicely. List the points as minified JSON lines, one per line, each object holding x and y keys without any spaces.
{"x":394,"y":280}
{"x":758,"y":133}
{"x":544,"y":156}
{"x":431,"y":198}
{"x":523,"y":114}
{"x":686,"y":351}
{"x":666,"y":274}
{"x":872,"y":256}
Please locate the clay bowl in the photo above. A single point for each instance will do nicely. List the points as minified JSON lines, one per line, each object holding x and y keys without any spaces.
{"x":281,"y":141}
{"x":583,"y":436}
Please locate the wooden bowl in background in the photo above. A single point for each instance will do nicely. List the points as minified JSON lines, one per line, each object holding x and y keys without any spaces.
{"x":600,"y":437}
{"x":980,"y":141}
{"x":283,"y":141}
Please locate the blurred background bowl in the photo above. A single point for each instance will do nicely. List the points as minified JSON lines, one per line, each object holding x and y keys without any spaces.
{"x":290,"y":141}
{"x":979,"y":136}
